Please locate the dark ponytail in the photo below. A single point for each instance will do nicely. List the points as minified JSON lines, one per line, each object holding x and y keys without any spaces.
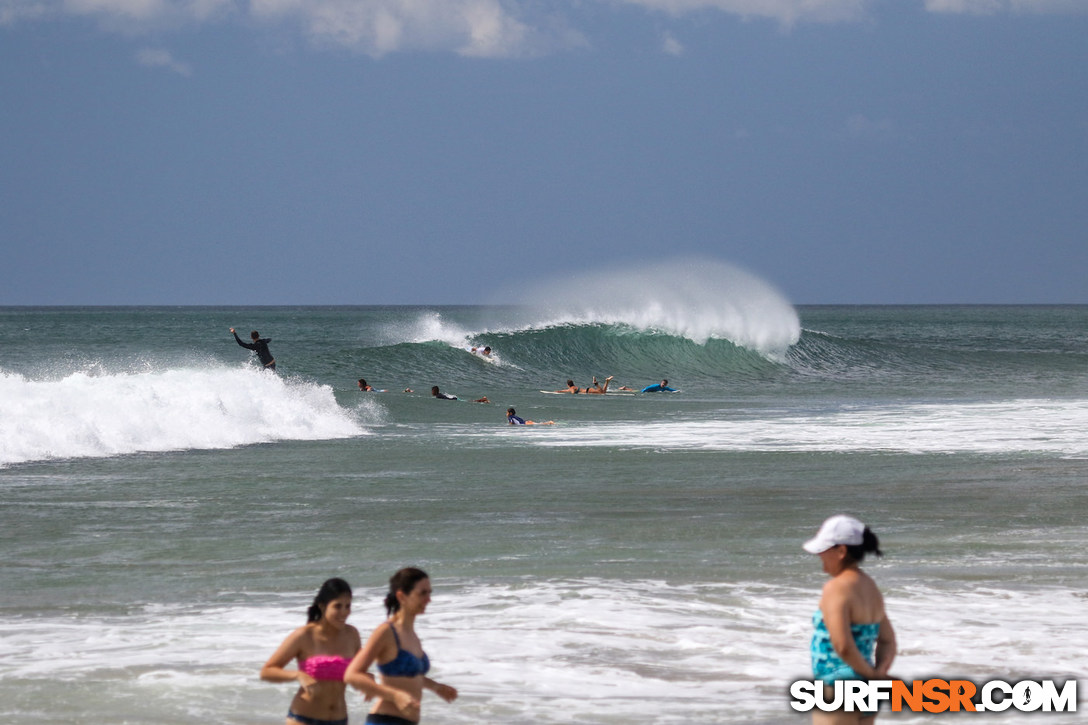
{"x":332,"y":589}
{"x":869,"y":545}
{"x":405,"y":581}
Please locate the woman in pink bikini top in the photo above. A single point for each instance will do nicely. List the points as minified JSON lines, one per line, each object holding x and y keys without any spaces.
{"x":323,"y":649}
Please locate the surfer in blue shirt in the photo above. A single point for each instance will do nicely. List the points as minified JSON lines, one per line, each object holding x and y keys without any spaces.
{"x":662,"y":387}
{"x":513,"y":419}
{"x":259,"y":346}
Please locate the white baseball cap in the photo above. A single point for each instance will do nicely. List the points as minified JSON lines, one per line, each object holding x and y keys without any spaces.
{"x":836,"y":530}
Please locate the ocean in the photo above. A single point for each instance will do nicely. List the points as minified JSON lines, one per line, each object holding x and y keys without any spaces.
{"x":168,"y":510}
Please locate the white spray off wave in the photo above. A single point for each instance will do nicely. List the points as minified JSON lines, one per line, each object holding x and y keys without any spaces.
{"x":427,"y":327}
{"x":85,"y":416}
{"x":692,"y":298}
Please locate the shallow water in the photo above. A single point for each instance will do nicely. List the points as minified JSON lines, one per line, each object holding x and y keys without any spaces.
{"x":168,"y":510}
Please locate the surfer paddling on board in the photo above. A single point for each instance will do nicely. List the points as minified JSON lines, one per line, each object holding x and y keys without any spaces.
{"x":571,"y":388}
{"x":436,"y":393}
{"x":259,"y":346}
{"x":597,"y":389}
{"x":513,"y":419}
{"x":662,"y":387}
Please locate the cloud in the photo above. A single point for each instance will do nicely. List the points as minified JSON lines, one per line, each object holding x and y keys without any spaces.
{"x":12,"y":11}
{"x":671,"y":45}
{"x":160,"y":58}
{"x":993,"y":7}
{"x":787,"y":12}
{"x":474,"y":28}
{"x":122,"y":15}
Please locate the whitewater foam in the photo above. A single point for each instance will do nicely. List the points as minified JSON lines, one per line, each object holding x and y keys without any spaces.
{"x":1019,"y":426}
{"x":84,"y":415}
{"x":428,"y":326}
{"x":583,"y":650}
{"x":696,"y":299}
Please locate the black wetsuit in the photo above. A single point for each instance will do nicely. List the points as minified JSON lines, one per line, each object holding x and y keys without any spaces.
{"x":260,"y":346}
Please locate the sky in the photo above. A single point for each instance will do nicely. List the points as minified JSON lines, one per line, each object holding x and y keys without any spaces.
{"x":296,"y":152}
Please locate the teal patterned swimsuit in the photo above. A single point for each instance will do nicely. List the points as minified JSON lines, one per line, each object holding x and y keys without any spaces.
{"x":826,"y":663}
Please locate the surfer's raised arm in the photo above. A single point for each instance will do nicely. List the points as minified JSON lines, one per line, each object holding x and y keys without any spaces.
{"x":259,"y":346}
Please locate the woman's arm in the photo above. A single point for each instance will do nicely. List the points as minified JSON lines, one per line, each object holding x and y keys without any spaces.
{"x":357,"y":675}
{"x":446,"y":692}
{"x":885,"y":648}
{"x":273,"y":670}
{"x":835,"y":606}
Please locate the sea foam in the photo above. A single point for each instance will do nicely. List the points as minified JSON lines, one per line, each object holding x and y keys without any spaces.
{"x":692,"y":298}
{"x":1048,"y":427}
{"x":84,"y":415}
{"x":551,"y":651}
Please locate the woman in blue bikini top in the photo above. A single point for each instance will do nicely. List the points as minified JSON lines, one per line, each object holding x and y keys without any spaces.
{"x":396,"y":650}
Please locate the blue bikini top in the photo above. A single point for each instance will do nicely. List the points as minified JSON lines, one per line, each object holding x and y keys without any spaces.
{"x":405,"y":664}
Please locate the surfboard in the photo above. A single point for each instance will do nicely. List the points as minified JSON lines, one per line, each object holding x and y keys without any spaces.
{"x":609,"y":394}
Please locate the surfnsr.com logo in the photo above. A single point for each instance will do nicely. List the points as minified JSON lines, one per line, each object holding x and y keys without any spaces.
{"x":935,"y":695}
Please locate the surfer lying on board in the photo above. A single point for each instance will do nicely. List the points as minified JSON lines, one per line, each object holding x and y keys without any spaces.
{"x":662,"y":387}
{"x":436,"y":393}
{"x":513,"y":419}
{"x":366,"y":388}
{"x":571,"y":388}
{"x":597,"y":389}
{"x":259,"y":346}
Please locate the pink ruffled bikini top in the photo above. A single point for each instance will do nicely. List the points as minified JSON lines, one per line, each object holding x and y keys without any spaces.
{"x":325,"y":667}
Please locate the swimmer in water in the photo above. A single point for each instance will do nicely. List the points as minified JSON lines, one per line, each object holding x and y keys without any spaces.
{"x":853,"y":639}
{"x":513,"y":419}
{"x":323,"y":648}
{"x":396,"y":649}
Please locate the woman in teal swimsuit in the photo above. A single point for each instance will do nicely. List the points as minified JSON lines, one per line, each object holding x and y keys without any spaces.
{"x":853,"y":639}
{"x":399,"y":654}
